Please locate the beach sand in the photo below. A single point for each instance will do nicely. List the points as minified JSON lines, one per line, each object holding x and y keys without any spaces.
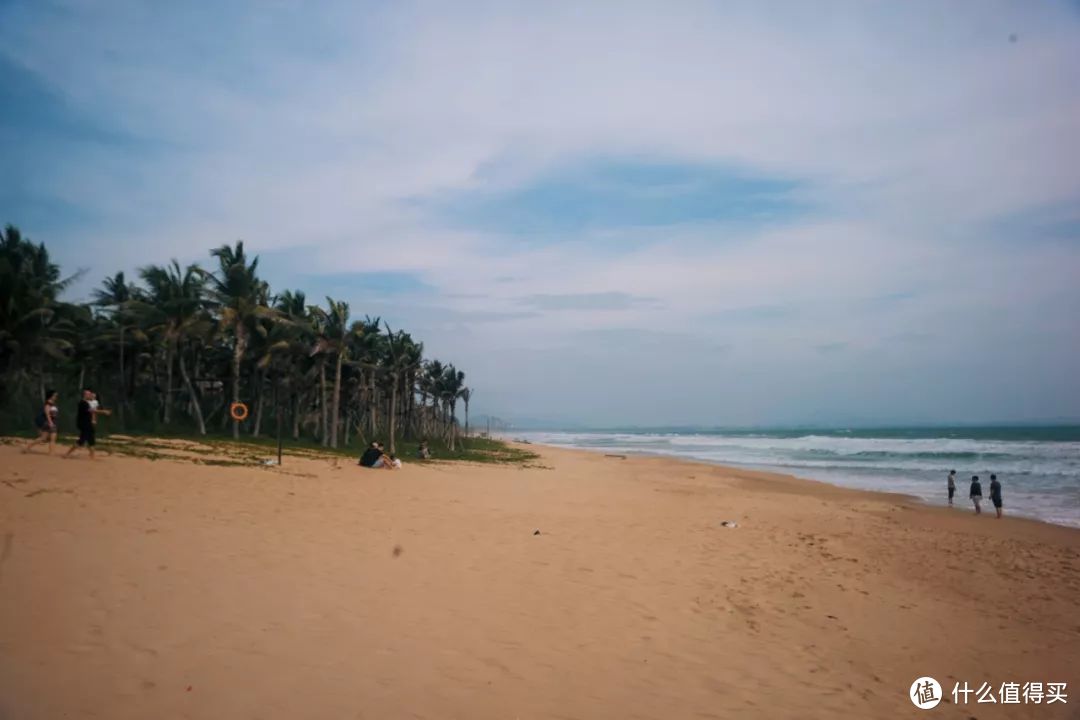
{"x":136,"y":588}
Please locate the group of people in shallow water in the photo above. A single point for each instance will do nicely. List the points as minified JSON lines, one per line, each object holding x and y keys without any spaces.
{"x":976,"y":494}
{"x":86,"y":415}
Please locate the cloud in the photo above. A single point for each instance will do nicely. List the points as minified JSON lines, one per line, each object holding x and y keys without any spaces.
{"x":586,"y":301}
{"x":363,"y":284}
{"x":508,"y":180}
{"x":619,"y":192}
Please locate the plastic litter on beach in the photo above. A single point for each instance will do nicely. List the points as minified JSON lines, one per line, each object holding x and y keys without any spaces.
{"x":621,"y":457}
{"x":729,"y":524}
{"x":269,"y":461}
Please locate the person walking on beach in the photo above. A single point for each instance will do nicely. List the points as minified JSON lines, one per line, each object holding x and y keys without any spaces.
{"x":45,"y":422}
{"x":995,"y":494}
{"x":84,"y":421}
{"x":952,"y":485}
{"x":976,"y":493}
{"x":96,"y":409}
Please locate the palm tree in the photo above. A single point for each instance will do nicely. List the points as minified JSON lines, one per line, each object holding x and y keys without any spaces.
{"x":431,"y":384}
{"x":402,"y":356}
{"x":452,"y":382}
{"x":173,"y":310}
{"x":34,"y":324}
{"x":240,"y":298}
{"x":290,"y":342}
{"x":334,"y":334}
{"x":466,"y":395}
{"x":116,"y":293}
{"x":413,"y":361}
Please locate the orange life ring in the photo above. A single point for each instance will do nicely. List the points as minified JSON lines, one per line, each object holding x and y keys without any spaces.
{"x":238,"y":411}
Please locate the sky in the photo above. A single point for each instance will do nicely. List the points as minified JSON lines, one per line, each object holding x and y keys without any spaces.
{"x":605,"y":213}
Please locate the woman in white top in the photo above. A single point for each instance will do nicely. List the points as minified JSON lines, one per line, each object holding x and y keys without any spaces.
{"x":45,"y":422}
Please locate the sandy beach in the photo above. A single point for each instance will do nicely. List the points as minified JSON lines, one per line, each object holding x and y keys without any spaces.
{"x":138,"y":588}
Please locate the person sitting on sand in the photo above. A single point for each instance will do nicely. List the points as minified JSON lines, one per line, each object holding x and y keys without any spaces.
{"x":376,"y":457}
{"x":976,"y":493}
{"x":995,"y":494}
{"x":370,"y":455}
{"x":952,"y":485}
{"x":386,"y":462}
{"x":45,"y":422}
{"x":423,"y":452}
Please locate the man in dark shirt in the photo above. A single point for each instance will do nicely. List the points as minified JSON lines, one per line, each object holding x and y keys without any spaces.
{"x":995,"y":494}
{"x":84,"y":421}
{"x":370,"y":455}
{"x":976,"y":493}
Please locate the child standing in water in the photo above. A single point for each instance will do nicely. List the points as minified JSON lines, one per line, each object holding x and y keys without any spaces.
{"x":995,"y":494}
{"x":976,"y":493}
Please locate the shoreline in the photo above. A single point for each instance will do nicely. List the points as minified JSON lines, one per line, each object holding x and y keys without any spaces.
{"x":577,"y":586}
{"x":913,"y":499}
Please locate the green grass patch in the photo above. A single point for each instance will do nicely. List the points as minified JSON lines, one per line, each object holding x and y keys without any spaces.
{"x":249,"y":451}
{"x":487,"y":450}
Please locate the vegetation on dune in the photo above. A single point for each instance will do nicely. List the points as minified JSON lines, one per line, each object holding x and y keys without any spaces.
{"x":170,"y":352}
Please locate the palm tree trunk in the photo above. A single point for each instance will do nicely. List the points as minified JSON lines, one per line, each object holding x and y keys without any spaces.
{"x":453,"y":425}
{"x":238,"y":355}
{"x":373,"y":406}
{"x":296,"y":417}
{"x":466,"y":418}
{"x":393,"y":408}
{"x":194,"y":397}
{"x":420,"y":415}
{"x":259,"y":389}
{"x":123,"y":378}
{"x":404,"y":415}
{"x":336,"y":407}
{"x":169,"y":351}
{"x":322,"y":399}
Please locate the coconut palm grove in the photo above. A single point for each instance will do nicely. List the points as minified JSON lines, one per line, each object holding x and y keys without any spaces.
{"x":171,"y":350}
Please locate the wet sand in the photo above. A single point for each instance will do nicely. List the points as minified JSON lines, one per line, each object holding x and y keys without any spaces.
{"x":136,"y":588}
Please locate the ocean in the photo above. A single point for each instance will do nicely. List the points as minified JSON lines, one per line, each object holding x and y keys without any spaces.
{"x":1039,"y":467}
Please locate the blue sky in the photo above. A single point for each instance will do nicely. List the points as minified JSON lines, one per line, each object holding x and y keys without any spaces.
{"x":611,"y":213}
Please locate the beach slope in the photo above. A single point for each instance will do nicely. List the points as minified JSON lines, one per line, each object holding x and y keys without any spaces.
{"x":138,"y":588}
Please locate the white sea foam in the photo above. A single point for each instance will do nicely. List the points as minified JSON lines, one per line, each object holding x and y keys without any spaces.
{"x":1041,"y":478}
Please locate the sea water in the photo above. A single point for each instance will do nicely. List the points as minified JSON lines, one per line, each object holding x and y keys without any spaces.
{"x":1039,"y":467}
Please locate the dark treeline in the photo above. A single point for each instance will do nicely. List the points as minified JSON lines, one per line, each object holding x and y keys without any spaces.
{"x":174,"y":348}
